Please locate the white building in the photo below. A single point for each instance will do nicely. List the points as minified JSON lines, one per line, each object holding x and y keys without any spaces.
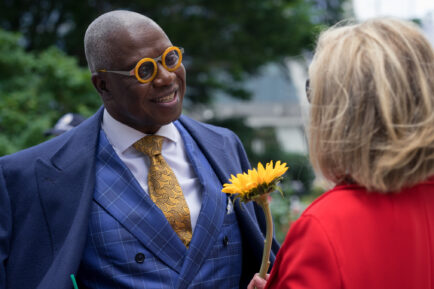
{"x":278,"y":101}
{"x":278,"y":92}
{"x":428,"y":25}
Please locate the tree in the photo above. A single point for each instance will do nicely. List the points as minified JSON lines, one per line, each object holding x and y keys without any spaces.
{"x":35,"y":90}
{"x":329,"y":12}
{"x":225,"y":41}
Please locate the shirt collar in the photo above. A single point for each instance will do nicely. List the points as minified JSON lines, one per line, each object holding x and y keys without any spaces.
{"x":122,"y":136}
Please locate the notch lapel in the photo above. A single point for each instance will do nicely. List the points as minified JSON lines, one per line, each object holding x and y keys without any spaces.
{"x":214,"y":143}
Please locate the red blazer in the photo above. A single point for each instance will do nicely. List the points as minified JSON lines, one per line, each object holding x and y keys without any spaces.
{"x":352,"y":239}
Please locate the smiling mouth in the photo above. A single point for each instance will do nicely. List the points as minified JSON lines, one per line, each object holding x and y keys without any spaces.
{"x":166,"y":99}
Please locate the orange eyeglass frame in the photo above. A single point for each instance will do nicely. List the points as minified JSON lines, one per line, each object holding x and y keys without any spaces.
{"x":161,"y":58}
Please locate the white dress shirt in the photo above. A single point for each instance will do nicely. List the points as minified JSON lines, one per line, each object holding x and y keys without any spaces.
{"x":122,"y":138}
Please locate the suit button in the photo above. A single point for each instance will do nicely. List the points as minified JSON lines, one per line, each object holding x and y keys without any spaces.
{"x":140,"y":258}
{"x":225,"y":241}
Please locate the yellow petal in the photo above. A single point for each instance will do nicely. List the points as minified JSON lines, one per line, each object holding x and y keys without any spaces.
{"x":251,"y":184}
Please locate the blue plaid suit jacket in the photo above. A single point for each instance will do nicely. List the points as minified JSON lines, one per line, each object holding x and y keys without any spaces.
{"x":46,"y":195}
{"x":125,"y":222}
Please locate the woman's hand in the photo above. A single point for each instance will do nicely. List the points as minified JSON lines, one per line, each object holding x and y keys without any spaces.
{"x":257,"y":282}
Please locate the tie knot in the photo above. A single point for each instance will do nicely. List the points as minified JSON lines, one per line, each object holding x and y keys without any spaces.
{"x":150,"y":145}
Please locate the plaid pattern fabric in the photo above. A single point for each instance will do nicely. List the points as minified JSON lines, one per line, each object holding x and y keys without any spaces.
{"x":131,"y":244}
{"x":215,"y":256}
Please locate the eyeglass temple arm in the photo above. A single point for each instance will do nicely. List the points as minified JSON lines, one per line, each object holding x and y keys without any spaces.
{"x":127,"y":73}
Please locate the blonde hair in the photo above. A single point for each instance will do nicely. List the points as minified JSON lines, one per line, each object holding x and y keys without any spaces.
{"x":372,"y":105}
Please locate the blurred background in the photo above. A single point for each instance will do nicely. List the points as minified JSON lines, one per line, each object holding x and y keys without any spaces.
{"x":246,"y":67}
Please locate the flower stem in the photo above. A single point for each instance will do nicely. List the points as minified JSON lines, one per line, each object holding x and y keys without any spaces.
{"x":263,"y":202}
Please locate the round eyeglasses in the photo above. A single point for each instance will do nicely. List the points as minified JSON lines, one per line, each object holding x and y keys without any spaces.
{"x":146,"y":68}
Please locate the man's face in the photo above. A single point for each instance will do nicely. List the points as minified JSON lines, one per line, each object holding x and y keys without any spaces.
{"x":143,"y":106}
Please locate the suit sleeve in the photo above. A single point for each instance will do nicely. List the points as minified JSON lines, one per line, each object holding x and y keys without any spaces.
{"x":306,"y":260}
{"x":5,"y":228}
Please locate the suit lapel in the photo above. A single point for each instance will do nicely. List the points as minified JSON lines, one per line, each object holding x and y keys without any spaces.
{"x":119,"y":193}
{"x":223,"y":159}
{"x":62,"y":198}
{"x":66,"y":203}
{"x":211,"y":215}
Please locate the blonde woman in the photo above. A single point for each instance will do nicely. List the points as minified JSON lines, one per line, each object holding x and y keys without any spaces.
{"x":371,"y":133}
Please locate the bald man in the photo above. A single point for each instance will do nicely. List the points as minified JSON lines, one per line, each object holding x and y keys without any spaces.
{"x":92,"y":202}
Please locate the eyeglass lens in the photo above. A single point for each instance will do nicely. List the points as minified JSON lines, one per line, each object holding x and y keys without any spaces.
{"x":146,"y":69}
{"x":171,"y":59}
{"x":307,"y":87}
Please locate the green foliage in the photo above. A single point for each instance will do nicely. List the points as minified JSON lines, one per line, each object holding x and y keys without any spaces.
{"x":226,"y":41}
{"x":281,"y":211}
{"x":35,"y":90}
{"x":234,"y":37}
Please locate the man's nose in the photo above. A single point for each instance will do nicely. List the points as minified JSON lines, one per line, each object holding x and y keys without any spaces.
{"x":164,"y":76}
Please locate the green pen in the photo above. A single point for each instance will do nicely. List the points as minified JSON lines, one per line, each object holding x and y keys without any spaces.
{"x":74,"y":282}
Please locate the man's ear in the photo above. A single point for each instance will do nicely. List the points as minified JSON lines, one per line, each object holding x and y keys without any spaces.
{"x":100,"y":85}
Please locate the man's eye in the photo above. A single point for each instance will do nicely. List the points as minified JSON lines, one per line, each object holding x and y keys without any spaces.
{"x":146,"y":70}
{"x":172,"y":59}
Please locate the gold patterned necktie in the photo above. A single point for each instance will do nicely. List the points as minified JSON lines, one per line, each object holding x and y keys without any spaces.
{"x":164,"y":188}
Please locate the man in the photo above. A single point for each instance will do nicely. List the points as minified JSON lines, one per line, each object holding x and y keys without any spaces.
{"x":91,"y":202}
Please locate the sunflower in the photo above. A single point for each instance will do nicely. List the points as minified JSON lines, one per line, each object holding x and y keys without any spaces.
{"x":257,"y":182}
{"x":255,"y":185}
